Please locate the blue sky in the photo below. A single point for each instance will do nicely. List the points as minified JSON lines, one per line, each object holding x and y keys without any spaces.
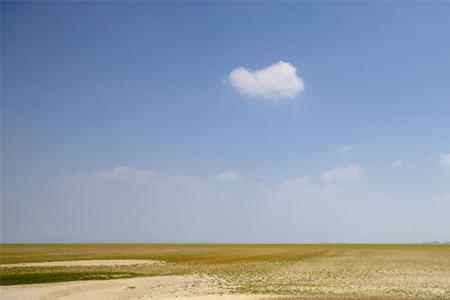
{"x":123,"y":122}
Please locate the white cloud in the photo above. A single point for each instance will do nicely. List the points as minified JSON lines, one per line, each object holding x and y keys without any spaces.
{"x":350,"y":172}
{"x":398,"y":163}
{"x":445,"y":159}
{"x":297,"y":182}
{"x":123,"y":203}
{"x":227,"y":176}
{"x":345,"y":148}
{"x":274,"y":82}
{"x":125,"y":173}
{"x":127,"y":176}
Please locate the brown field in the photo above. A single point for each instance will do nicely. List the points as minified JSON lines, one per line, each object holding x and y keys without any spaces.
{"x":375,"y":272}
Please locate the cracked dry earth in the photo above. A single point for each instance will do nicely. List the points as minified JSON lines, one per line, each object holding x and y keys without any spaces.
{"x":355,"y":274}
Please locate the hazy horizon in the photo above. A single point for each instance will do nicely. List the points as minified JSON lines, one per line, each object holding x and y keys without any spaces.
{"x":225,"y":122}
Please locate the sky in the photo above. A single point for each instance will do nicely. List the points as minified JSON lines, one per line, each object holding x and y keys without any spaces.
{"x":237,"y":122}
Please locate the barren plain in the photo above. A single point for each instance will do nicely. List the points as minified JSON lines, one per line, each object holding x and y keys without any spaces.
{"x":290,"y":271}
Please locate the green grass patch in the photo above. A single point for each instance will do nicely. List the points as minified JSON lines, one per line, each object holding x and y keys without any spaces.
{"x":28,"y":278}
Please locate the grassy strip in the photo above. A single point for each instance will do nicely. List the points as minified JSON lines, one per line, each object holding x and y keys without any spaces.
{"x":28,"y":278}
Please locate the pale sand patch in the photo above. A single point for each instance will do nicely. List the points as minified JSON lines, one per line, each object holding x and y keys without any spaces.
{"x":86,"y":263}
{"x":189,"y":287}
{"x":221,"y":297}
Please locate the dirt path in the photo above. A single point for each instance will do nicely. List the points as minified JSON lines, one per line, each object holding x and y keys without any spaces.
{"x":192,"y":287}
{"x":86,"y":263}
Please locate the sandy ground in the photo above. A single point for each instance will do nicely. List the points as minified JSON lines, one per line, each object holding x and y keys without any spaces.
{"x":85,"y":263}
{"x":191,"y":287}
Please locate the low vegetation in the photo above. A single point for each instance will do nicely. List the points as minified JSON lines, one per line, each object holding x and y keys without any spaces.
{"x":311,"y":271}
{"x":38,"y":277}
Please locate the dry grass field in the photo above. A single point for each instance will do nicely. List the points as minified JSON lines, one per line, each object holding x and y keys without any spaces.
{"x":373,"y":272}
